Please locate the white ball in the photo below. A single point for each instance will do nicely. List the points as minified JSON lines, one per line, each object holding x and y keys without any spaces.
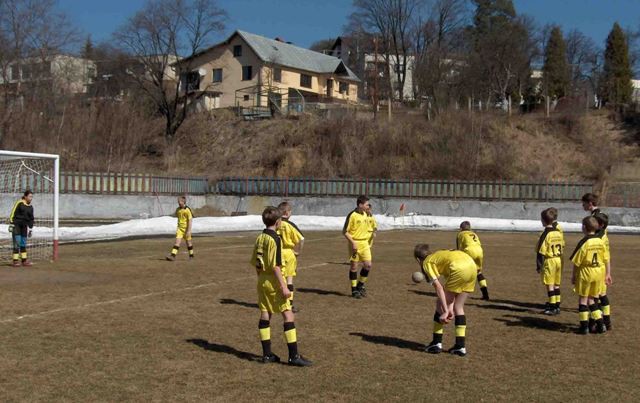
{"x":417,"y":277}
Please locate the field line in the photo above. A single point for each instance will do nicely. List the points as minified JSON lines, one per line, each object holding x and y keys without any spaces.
{"x":135,"y":297}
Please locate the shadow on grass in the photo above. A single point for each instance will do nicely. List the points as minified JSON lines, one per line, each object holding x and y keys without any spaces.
{"x":390,"y":341}
{"x":229,"y":301}
{"x":320,"y":292}
{"x":521,"y":304}
{"x":535,"y":323}
{"x":502,"y":308}
{"x":427,"y":293}
{"x":340,"y":263}
{"x":221,"y":348}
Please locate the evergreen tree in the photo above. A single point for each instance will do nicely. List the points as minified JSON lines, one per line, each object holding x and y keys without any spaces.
{"x":87,"y":49}
{"x":617,"y":75}
{"x":556,"y":70}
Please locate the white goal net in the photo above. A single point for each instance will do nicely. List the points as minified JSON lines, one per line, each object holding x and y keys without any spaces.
{"x":38,"y":173}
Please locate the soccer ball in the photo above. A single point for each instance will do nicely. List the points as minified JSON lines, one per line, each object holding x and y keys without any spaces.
{"x":417,"y":277}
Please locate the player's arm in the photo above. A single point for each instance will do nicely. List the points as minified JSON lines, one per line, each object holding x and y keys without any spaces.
{"x":277,"y":269}
{"x":442,"y":300}
{"x":542,"y":246}
{"x":30,"y":218}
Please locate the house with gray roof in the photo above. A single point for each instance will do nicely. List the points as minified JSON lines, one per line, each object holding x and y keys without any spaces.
{"x":249,"y":70}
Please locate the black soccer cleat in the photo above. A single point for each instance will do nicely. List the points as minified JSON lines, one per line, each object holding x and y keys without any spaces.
{"x":266,"y":359}
{"x":433,"y":348}
{"x":299,"y":361}
{"x":457,"y":350}
{"x":171,"y":258}
{"x":583,"y":330}
{"x":485,"y":294}
{"x":363,"y":291}
{"x":356,"y":294}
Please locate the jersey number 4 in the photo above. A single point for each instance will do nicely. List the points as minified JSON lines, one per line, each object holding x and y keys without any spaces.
{"x":594,"y":261}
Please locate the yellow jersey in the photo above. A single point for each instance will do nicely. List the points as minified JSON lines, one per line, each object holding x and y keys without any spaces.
{"x":267,"y":252}
{"x":372,"y":226}
{"x":290,"y":234}
{"x":184,"y":215}
{"x":357,"y":225}
{"x":557,"y":226}
{"x":440,"y":263}
{"x":604,"y":235}
{"x":589,"y":253}
{"x":467,"y":239}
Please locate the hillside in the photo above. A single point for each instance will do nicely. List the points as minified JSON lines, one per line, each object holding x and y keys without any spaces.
{"x":455,"y":145}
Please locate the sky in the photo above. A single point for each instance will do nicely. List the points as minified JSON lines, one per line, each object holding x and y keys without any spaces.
{"x":306,"y":21}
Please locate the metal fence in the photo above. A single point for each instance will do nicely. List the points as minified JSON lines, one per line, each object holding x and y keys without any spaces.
{"x":437,"y":189}
{"x":127,"y":183}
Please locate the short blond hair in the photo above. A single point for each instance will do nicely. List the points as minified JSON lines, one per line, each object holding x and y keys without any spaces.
{"x":421,"y":251}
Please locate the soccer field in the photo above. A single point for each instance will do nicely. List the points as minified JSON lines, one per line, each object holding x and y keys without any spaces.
{"x":114,"y":321}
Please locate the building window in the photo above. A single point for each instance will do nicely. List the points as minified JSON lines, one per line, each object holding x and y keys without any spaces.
{"x":305,"y":80}
{"x":344,"y":88}
{"x":247,"y":73}
{"x":190,"y":81}
{"x":398,"y":68}
{"x":14,"y":73}
{"x":237,"y":51}
{"x":277,"y":75}
{"x":246,"y":97}
{"x":217,"y":75}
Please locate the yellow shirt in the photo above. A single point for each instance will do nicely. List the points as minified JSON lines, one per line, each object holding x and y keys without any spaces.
{"x":439,"y":263}
{"x":467,"y":240}
{"x":551,"y":243}
{"x":604,"y":235}
{"x":372,"y":225}
{"x":184,"y":216}
{"x":589,"y":253}
{"x":290,"y":234}
{"x":267,"y":252}
{"x":357,"y":225}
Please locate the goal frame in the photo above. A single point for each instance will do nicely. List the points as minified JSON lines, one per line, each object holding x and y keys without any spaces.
{"x":56,"y":189}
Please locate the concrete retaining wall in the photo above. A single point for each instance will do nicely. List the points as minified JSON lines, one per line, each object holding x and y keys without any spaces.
{"x":84,"y":206}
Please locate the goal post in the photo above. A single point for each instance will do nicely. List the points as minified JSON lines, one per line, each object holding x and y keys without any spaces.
{"x":39,"y":173}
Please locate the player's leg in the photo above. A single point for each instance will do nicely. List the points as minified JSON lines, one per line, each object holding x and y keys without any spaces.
{"x":435,"y":347}
{"x":264,"y":327}
{"x":556,"y":291}
{"x":606,"y":310}
{"x":190,"y":248}
{"x":292,"y":289}
{"x":353,"y":279}
{"x":583,"y":312}
{"x":482,"y":281}
{"x":595,"y":316}
{"x":461,"y":324}
{"x":549,"y":308}
{"x":17,"y":240}
{"x":175,"y":249}
{"x":24,"y":231}
{"x":363,"y":277}
{"x":291,"y":336}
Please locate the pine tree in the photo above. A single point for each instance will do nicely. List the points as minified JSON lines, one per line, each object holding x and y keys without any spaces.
{"x":87,"y":49}
{"x":617,"y":75}
{"x":556,"y":70}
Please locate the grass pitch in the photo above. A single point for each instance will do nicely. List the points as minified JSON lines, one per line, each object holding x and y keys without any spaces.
{"x":114,"y":321}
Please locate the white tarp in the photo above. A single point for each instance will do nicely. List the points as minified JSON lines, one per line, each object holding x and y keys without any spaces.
{"x":203,"y":225}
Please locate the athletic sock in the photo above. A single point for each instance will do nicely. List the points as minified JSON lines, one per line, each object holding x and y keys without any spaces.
{"x":461,"y":330}
{"x":265,"y":336}
{"x":353,"y":278}
{"x":190,"y":248}
{"x":596,"y":314}
{"x":583,"y":312}
{"x":23,"y":254}
{"x":291,"y":288}
{"x":438,"y":329}
{"x":558,"y":298}
{"x":606,"y":310}
{"x":364,"y":274}
{"x":174,"y":251}
{"x":483,"y":285}
{"x":551,"y":299}
{"x":292,"y":338}
{"x":16,"y":255}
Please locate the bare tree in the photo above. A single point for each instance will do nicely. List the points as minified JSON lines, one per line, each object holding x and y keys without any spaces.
{"x":159,"y":35}
{"x":31,"y":32}
{"x":392,"y":20}
{"x":584,"y":61}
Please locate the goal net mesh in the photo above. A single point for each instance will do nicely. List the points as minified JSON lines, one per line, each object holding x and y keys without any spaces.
{"x":18,"y":174}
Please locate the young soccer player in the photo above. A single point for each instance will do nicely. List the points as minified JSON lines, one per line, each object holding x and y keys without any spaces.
{"x":356,"y":230}
{"x":185,"y":222}
{"x":273,"y":293}
{"x":590,"y":203}
{"x":459,"y":272}
{"x":469,"y":242}
{"x":587,"y":276}
{"x":603,"y":223}
{"x":373,"y":225}
{"x":21,"y":222}
{"x":549,"y":260}
{"x":292,"y":243}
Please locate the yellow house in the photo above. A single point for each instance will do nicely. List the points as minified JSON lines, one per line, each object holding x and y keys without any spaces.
{"x":249,"y":70}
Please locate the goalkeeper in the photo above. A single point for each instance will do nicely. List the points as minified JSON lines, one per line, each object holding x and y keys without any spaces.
{"x":20,"y":225}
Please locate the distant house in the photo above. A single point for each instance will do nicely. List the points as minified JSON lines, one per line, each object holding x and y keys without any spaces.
{"x":65,"y":74}
{"x":249,"y":70}
{"x":378,"y":65}
{"x":635,"y":83}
